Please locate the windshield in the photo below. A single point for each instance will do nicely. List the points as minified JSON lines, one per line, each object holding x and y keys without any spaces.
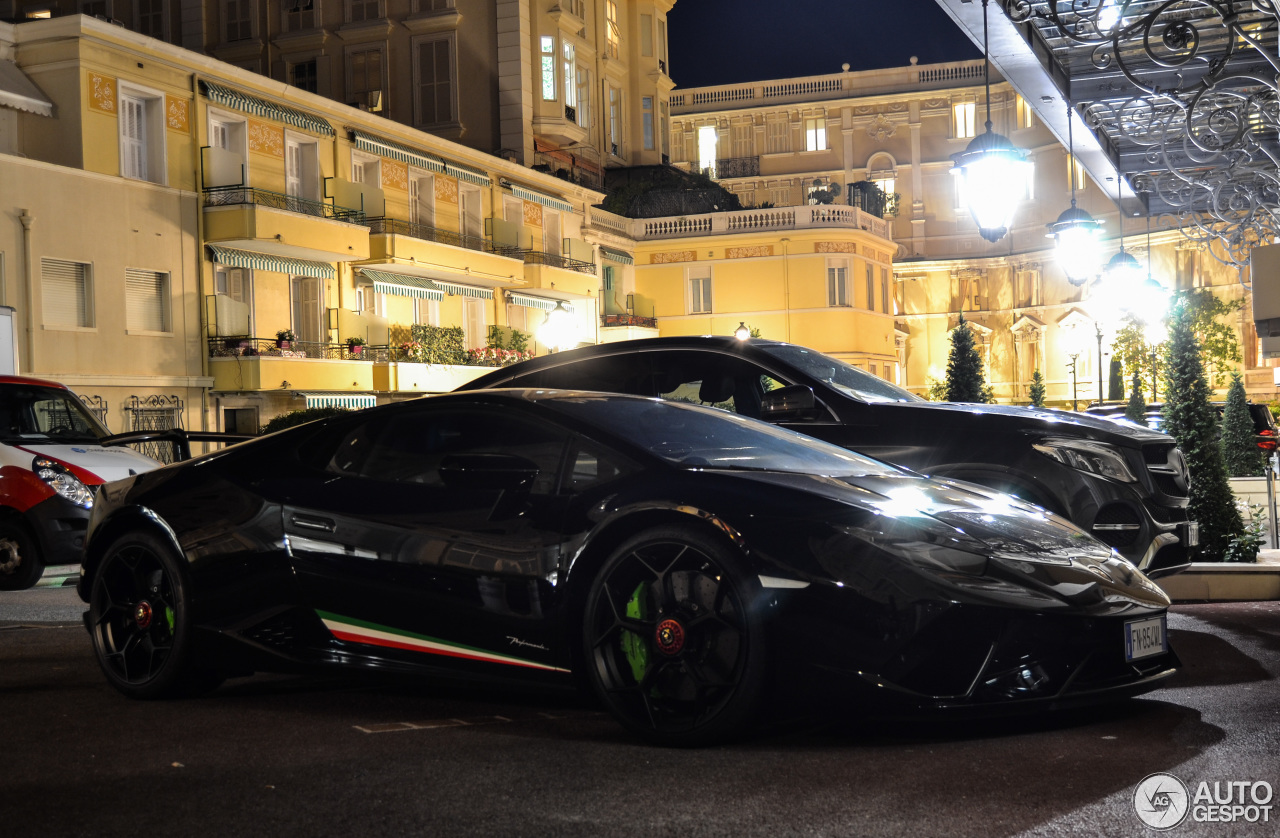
{"x":844,"y":377}
{"x":702,"y":437}
{"x":39,"y":414}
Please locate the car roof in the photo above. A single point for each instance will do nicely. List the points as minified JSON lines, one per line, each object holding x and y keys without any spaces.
{"x":31,"y":382}
{"x":725,"y":343}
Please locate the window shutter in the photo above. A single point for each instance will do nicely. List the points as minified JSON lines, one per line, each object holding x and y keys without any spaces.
{"x":64,"y":287}
{"x":132,"y":137}
{"x":146,"y":300}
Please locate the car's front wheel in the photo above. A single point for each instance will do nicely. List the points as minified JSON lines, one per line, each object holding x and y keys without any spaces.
{"x":673,"y":645}
{"x":20,"y":564}
{"x":140,"y":621}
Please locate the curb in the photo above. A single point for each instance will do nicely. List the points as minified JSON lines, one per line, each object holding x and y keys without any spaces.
{"x":1226,"y":582}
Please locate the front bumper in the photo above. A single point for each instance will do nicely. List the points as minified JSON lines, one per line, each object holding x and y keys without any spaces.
{"x":60,"y":527}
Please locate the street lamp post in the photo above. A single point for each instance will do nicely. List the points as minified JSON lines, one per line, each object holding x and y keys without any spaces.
{"x":1097,"y":327}
{"x":1072,"y":366}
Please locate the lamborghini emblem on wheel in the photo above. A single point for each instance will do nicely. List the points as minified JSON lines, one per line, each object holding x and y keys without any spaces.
{"x":670,"y":637}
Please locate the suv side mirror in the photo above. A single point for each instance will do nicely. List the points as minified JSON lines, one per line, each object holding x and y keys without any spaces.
{"x":488,"y":471}
{"x":789,"y":403}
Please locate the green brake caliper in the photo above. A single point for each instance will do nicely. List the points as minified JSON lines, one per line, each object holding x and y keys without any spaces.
{"x":633,"y":645}
{"x":168,"y":619}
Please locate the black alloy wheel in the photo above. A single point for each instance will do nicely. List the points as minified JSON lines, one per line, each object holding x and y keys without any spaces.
{"x":673,"y":646}
{"x":139,"y":621}
{"x":20,"y":564}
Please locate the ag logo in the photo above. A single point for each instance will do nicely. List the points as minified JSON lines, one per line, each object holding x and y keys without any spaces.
{"x":1161,"y":801}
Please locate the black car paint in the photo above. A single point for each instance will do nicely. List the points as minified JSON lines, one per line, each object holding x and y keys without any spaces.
{"x":864,"y":596}
{"x":983,"y":443}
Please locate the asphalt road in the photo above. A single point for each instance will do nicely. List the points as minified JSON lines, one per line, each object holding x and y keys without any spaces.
{"x":272,"y":755}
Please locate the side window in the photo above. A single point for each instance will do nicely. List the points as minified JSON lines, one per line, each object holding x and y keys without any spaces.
{"x":591,"y":464}
{"x":628,"y":373}
{"x":409,"y":446}
{"x":712,"y":379}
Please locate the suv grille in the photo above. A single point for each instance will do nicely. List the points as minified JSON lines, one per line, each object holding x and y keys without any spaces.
{"x":1117,"y":525}
{"x":1168,"y":469}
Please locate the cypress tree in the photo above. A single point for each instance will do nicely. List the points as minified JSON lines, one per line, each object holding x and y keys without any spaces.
{"x":964,"y":368}
{"x":1115,"y":384}
{"x":1240,"y":452}
{"x":1037,"y":389}
{"x":1191,"y":420}
{"x":1136,"y":410}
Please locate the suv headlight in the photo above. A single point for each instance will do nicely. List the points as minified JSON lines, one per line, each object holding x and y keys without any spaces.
{"x":63,"y":482}
{"x":1086,"y":455}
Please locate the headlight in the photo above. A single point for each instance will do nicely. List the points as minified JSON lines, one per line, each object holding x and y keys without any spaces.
{"x":1088,"y":456}
{"x":63,"y":482}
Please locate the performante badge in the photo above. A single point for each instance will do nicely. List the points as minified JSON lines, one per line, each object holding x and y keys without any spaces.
{"x":142,"y":614}
{"x":670,"y":637}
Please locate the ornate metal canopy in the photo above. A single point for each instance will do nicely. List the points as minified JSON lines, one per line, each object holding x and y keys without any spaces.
{"x":1180,"y":97}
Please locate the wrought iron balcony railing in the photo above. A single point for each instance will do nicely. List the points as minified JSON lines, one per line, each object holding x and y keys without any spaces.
{"x":432,"y":234}
{"x":537,"y":257}
{"x":737,"y":167}
{"x":271,"y":348}
{"x":226,"y":196}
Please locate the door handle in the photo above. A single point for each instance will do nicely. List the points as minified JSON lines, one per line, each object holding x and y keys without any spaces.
{"x":307,"y":522}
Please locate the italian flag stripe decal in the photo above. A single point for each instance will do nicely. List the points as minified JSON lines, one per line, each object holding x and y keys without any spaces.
{"x":358,"y":631}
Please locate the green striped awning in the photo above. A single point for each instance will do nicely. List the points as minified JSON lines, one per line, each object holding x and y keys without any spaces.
{"x":267,"y":262}
{"x":399,"y":285}
{"x":261,"y":107}
{"x":539,"y":197}
{"x":467,"y":173}
{"x":455,"y":289}
{"x":536,"y":302}
{"x":351,"y":401}
{"x":616,"y":255}
{"x":396,"y":151}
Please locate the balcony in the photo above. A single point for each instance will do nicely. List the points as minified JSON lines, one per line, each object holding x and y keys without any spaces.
{"x":251,"y":364}
{"x":731,"y":167}
{"x":580,"y":166}
{"x":249,"y":347}
{"x":761,"y":220}
{"x":555,"y":260}
{"x":628,"y":320}
{"x":427,"y":250}
{"x":834,"y":86}
{"x":263,"y":221}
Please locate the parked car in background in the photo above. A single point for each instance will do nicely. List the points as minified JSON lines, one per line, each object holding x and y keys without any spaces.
{"x":51,"y":462}
{"x":1264,"y":424}
{"x":1125,"y":485}
{"x":680,"y":561}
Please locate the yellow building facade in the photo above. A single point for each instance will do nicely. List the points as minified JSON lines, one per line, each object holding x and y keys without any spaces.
{"x":237,"y":248}
{"x":785,"y":142}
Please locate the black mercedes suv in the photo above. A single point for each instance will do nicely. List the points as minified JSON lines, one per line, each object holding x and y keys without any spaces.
{"x":1124,"y":484}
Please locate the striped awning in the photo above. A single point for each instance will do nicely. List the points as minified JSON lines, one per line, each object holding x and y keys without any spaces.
{"x":396,"y":151}
{"x":399,"y":285}
{"x":261,"y":107}
{"x":18,"y":92}
{"x":539,"y":197}
{"x":536,"y":302}
{"x":467,"y":173}
{"x":616,"y":255}
{"x":351,"y":401}
{"x":455,"y":289}
{"x":267,"y":262}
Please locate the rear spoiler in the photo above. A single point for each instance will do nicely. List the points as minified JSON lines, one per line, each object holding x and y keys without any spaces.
{"x":179,"y":438}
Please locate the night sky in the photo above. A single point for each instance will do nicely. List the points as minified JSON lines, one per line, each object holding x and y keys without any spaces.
{"x":730,"y":41}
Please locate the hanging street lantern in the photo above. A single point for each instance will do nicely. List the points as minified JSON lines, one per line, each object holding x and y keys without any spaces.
{"x":558,"y":330}
{"x":1076,"y":245}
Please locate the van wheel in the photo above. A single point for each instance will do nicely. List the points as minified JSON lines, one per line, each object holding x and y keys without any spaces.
{"x":20,"y":564}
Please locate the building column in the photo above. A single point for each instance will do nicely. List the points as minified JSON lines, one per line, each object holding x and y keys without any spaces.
{"x":515,"y":78}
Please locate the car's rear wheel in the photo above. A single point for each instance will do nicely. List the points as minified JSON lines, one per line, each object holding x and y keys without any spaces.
{"x":140,"y":621}
{"x":20,"y":563}
{"x":672,"y":643}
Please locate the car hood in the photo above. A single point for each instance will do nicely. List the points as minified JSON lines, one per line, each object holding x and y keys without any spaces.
{"x":1039,"y":419}
{"x":1005,"y":525}
{"x":105,"y":463}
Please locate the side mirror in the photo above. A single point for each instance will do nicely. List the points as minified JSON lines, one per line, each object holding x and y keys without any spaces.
{"x":488,"y":471}
{"x":789,"y":403}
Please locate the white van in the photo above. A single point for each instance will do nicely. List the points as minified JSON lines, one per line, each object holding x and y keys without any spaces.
{"x":50,"y":466}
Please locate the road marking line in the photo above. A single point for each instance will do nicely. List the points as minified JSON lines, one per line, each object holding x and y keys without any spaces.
{"x":396,"y":727}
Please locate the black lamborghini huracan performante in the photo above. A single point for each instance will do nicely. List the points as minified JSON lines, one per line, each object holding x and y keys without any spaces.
{"x":680,"y":560}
